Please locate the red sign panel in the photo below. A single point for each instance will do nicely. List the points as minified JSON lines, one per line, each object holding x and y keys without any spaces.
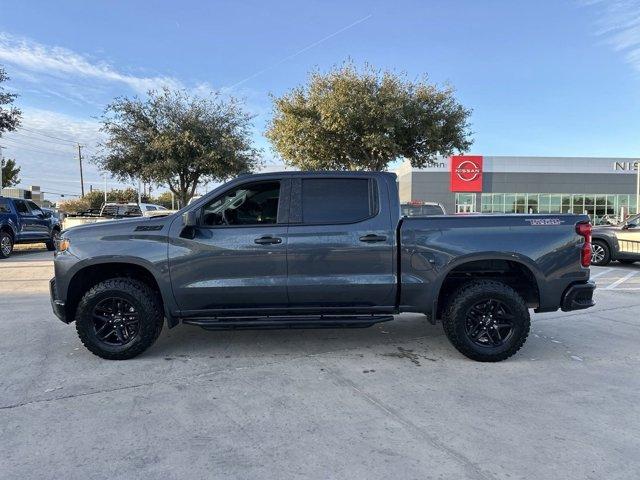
{"x":466,"y":173}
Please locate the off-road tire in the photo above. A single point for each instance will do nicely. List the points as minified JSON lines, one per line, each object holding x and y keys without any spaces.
{"x":51,"y":244}
{"x":146,"y":301}
{"x":6,"y":237}
{"x":455,"y":315}
{"x":607,"y":253}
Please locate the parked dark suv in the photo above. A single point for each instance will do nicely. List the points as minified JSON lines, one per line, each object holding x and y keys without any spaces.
{"x":22,"y":221}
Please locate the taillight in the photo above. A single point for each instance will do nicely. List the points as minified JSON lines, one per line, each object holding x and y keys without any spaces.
{"x":584,"y":230}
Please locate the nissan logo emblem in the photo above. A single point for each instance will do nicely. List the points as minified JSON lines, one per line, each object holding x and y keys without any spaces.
{"x":467,"y":171}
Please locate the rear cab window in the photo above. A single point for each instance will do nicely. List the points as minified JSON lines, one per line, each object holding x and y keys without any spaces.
{"x":338,"y":200}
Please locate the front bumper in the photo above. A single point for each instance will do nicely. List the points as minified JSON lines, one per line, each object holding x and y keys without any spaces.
{"x":578,"y":296}
{"x":57,"y":305}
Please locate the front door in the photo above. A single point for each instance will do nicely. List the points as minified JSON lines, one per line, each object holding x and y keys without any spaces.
{"x":28,"y":229}
{"x":39,"y":220}
{"x":341,"y":241}
{"x":235,"y":258}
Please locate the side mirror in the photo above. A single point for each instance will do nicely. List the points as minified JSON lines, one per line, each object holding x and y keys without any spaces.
{"x":47,"y":214}
{"x":625,"y":226}
{"x":189,"y":219}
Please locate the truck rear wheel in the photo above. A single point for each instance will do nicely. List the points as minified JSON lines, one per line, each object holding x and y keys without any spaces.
{"x":486,"y":321}
{"x":6,"y":244}
{"x":119,"y":318}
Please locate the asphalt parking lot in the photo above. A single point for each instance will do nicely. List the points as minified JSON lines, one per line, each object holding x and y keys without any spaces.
{"x":392,"y":401}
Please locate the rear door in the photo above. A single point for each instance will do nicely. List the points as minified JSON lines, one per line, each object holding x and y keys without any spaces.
{"x":235,"y":258}
{"x":341,"y":241}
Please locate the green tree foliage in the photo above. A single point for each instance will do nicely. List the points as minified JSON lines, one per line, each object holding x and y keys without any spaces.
{"x":350,"y":119}
{"x":9,"y":115}
{"x":164,"y":199}
{"x":10,"y":172}
{"x":172,"y":138}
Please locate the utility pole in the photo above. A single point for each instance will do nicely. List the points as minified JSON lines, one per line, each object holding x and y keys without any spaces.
{"x":105,"y":188}
{"x":81,"y":177}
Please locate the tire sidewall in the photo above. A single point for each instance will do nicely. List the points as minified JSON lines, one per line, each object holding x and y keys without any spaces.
{"x":84,"y":323}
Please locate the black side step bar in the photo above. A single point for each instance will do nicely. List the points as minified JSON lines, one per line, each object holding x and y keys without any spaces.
{"x":281,"y":322}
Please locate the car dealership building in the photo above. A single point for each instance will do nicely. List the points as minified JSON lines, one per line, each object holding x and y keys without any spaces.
{"x":604,"y":188}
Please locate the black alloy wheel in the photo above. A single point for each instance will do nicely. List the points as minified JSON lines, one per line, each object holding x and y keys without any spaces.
{"x":489,"y":323}
{"x":115,"y":321}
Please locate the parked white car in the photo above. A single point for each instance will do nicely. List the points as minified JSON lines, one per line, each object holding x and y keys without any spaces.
{"x":150,"y":209}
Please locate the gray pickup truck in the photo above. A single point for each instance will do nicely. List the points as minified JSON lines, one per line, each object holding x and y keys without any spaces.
{"x":321,"y":249}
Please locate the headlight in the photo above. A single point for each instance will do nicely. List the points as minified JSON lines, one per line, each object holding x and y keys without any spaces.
{"x":63,"y":244}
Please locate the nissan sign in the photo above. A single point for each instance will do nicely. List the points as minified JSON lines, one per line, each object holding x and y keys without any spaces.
{"x":466,"y":173}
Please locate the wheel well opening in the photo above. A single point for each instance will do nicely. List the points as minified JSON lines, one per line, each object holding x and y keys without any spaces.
{"x":7,"y":229}
{"x":86,"y":278}
{"x":515,"y":274}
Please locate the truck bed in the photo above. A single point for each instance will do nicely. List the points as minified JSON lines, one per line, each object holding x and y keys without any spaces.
{"x":441,"y":248}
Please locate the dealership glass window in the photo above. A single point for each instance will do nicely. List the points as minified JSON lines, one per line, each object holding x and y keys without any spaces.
{"x":602,"y":208}
{"x":465,"y":202}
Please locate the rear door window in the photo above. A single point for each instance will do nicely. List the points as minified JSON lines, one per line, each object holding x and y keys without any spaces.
{"x":337,"y":200}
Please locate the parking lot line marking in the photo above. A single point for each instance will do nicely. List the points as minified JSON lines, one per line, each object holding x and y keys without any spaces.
{"x":621,"y":280}
{"x":603,"y":272}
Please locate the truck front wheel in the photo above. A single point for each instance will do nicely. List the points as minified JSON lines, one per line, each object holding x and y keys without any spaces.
{"x":486,"y":321}
{"x":119,"y":318}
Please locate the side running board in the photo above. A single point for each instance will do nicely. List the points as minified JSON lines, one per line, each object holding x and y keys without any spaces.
{"x":281,"y":322}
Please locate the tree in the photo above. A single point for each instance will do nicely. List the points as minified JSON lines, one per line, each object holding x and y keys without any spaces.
{"x":175,"y":139}
{"x":9,"y":116}
{"x":164,"y":199}
{"x":363,"y":120}
{"x":10,"y":172}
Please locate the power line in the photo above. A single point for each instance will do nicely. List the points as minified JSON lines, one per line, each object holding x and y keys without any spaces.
{"x":49,"y":136}
{"x":11,"y":146}
{"x":36,"y":139}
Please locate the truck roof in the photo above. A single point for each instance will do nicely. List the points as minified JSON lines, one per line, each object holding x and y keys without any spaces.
{"x":314,"y":173}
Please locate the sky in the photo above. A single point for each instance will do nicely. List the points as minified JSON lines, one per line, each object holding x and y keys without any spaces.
{"x":543,"y":77}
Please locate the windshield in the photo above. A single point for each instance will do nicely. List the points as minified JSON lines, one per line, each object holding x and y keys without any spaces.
{"x":633,"y":221}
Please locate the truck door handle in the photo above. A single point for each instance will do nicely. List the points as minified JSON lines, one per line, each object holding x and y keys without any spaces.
{"x":266,"y":240}
{"x":371,"y":238}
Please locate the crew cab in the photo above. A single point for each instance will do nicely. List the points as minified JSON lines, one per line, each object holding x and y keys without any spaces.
{"x":318,"y":249}
{"x":23,"y":221}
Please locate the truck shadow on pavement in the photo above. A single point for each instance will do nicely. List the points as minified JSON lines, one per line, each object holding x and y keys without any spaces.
{"x":409,"y":337}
